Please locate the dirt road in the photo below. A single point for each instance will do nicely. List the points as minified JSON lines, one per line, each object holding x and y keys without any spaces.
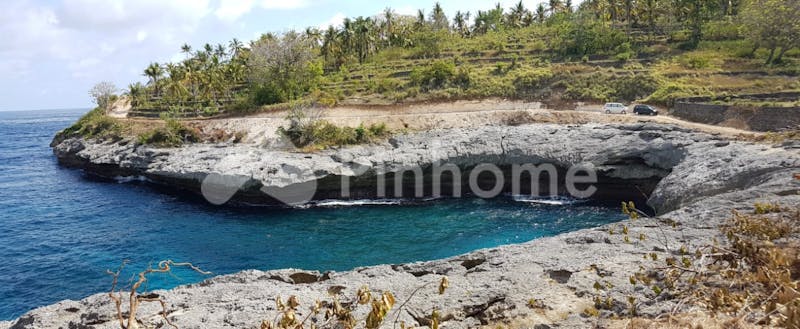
{"x":448,"y":115}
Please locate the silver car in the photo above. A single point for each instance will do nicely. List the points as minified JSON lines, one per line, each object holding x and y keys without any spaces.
{"x":616,"y":108}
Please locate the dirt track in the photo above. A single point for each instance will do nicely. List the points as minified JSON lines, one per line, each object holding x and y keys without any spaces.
{"x":448,"y":115}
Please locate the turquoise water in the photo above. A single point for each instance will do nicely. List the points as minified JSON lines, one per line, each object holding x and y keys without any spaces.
{"x":61,"y":229}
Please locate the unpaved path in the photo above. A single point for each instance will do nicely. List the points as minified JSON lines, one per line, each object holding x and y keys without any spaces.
{"x":447,"y":115}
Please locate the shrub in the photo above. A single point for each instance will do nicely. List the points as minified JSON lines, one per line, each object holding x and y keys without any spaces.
{"x":94,"y":124}
{"x":427,"y":44}
{"x":530,"y":83}
{"x":632,"y":86}
{"x":608,"y":87}
{"x":386,"y":85}
{"x":436,"y":75}
{"x":721,"y":30}
{"x":668,"y":92}
{"x":307,"y":129}
{"x":695,"y":61}
{"x":173,"y":134}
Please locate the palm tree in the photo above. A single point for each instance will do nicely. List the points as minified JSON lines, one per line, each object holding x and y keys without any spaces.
{"x":135,"y":92}
{"x":528,"y":19}
{"x":235,"y":47}
{"x":388,"y":26}
{"x":328,"y":49}
{"x":364,"y":40}
{"x":516,"y":16}
{"x":346,"y":34}
{"x":220,"y":51}
{"x":186,"y":49}
{"x":460,"y":24}
{"x":314,"y":35}
{"x":491,"y":20}
{"x":541,"y":13}
{"x":555,"y":6}
{"x":438,"y":18}
{"x":420,"y":23}
{"x":154,"y":72}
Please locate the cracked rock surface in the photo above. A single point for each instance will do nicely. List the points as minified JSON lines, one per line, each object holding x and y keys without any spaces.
{"x":547,"y":282}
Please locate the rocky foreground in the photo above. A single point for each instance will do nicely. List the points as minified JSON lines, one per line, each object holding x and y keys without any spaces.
{"x":691,"y":179}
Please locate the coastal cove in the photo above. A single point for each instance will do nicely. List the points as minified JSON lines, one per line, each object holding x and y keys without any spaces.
{"x":63,"y":228}
{"x":693,"y":181}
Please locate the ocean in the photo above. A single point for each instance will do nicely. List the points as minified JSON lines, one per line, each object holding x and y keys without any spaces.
{"x":61,"y":229}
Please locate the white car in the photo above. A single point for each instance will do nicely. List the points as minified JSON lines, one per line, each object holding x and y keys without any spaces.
{"x":616,"y":108}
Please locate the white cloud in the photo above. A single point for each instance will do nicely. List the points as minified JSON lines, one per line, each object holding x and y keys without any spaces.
{"x":336,"y":21}
{"x":230,"y":10}
{"x":284,"y":4}
{"x":121,"y":14}
{"x":141,"y":35}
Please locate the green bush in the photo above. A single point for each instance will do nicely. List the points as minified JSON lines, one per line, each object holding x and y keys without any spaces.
{"x":386,"y":85}
{"x":94,"y":124}
{"x":631,"y":87}
{"x":324,"y":134}
{"x":436,"y":75}
{"x":603,"y":87}
{"x":695,"y":61}
{"x":530,"y":83}
{"x":173,"y":134}
{"x":721,"y":30}
{"x":427,"y":44}
{"x":668,"y":92}
{"x":306,"y":129}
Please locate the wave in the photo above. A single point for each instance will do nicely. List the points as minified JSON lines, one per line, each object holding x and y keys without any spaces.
{"x":550,"y":201}
{"x":130,"y":179}
{"x":351,"y":203}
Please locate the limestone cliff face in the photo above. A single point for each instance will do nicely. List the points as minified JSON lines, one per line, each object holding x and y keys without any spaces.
{"x":630,"y":160}
{"x":692,"y":179}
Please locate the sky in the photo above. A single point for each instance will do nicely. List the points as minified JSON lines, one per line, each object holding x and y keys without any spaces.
{"x":53,"y":51}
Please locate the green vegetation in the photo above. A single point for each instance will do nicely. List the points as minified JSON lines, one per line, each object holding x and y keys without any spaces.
{"x":173,"y":134}
{"x":94,"y":124}
{"x":306,"y":129}
{"x":600,"y":50}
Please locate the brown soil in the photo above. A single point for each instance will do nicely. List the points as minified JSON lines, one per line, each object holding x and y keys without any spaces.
{"x":427,"y":116}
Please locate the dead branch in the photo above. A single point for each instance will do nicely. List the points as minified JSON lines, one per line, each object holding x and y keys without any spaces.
{"x":164,"y":266}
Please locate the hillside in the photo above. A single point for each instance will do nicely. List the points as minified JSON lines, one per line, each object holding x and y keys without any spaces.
{"x":740,"y":54}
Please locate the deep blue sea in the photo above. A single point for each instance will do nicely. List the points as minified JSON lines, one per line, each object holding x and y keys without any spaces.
{"x":60,"y":229}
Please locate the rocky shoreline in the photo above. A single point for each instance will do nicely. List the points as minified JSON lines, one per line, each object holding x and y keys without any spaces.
{"x":689,"y":178}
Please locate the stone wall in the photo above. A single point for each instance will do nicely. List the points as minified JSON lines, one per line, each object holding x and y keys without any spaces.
{"x":743,"y":117}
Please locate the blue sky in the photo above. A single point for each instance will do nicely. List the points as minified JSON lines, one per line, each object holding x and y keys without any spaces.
{"x":53,"y":51}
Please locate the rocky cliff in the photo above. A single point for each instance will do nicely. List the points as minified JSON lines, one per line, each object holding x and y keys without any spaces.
{"x":690,"y":179}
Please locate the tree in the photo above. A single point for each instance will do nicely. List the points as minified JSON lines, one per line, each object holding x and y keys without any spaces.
{"x":420,"y":23}
{"x":491,"y":20}
{"x":314,"y":35}
{"x":102,"y":93}
{"x":555,"y":6}
{"x":363,"y":37}
{"x":135,"y":92}
{"x":541,"y":13}
{"x":154,"y":72}
{"x":516,"y":17}
{"x":388,"y":35}
{"x":235,"y":47}
{"x":460,"y":24}
{"x":695,"y":13}
{"x":186,"y":49}
{"x":772,"y":24}
{"x":439,"y":20}
{"x":283,"y":68}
